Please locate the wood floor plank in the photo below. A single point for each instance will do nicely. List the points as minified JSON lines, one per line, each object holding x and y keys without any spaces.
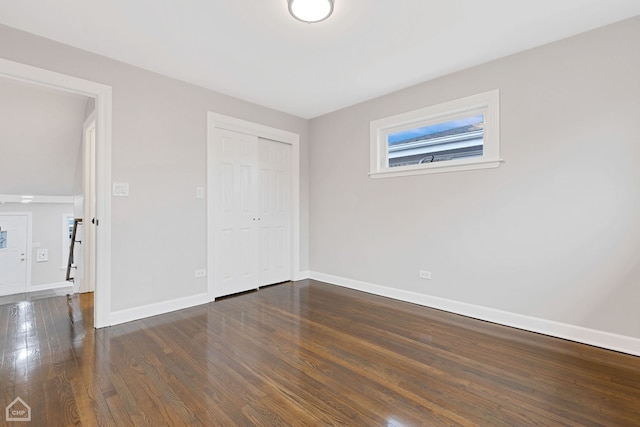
{"x":304,"y":354}
{"x":325,"y":378}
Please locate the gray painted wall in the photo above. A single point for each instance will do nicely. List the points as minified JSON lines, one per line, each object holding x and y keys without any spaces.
{"x":553,"y":233}
{"x":159,"y":148}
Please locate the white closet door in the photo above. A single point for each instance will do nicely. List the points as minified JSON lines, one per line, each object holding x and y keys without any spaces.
{"x":233,"y":210}
{"x":250,"y":209}
{"x":274,"y":212}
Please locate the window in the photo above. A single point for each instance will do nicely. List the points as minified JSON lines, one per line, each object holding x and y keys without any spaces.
{"x":67,"y":232}
{"x":456,"y":135}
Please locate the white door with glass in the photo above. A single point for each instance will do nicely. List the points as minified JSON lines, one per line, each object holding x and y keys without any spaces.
{"x":249,"y":207}
{"x":14,"y":262}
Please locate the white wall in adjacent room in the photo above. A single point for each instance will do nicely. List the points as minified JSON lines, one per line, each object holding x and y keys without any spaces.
{"x":47,"y":234}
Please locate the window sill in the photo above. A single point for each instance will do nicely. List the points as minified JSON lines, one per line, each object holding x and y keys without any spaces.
{"x":436,"y":168}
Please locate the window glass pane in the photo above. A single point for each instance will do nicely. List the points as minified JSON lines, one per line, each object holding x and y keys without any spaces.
{"x":450,"y":140}
{"x":70,"y":227}
{"x":3,"y":239}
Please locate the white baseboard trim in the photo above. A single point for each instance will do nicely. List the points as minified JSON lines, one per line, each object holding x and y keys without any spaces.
{"x":301,"y":275}
{"x":137,"y":313}
{"x":45,"y":287}
{"x":610,"y":341}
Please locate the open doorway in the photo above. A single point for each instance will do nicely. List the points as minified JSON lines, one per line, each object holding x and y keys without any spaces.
{"x":100,"y":203}
{"x":40,"y":176}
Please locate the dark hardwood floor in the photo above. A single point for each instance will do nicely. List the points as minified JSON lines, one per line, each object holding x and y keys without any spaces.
{"x":303,"y":354}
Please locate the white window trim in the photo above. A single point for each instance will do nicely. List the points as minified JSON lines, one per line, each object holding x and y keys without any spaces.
{"x":487,"y":103}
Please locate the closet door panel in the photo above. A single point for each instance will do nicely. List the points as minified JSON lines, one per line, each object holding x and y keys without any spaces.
{"x":274,"y":212}
{"x":234,"y":210}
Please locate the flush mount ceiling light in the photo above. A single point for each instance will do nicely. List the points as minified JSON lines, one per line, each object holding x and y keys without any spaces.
{"x":310,"y":11}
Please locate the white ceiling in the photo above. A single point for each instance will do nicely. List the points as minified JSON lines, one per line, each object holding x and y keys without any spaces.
{"x":40,"y":138}
{"x":253,"y":49}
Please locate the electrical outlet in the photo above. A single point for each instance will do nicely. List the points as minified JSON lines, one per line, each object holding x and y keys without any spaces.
{"x":42,"y":255}
{"x":200,"y":273}
{"x":199,"y":192}
{"x":424,"y":274}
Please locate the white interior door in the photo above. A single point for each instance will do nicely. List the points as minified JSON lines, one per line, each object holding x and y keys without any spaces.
{"x":87,"y":249}
{"x":250,"y":210}
{"x":234,"y":206}
{"x":274,"y":212}
{"x":14,"y":256}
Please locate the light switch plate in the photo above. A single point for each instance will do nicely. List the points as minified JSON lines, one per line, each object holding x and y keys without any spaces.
{"x":121,"y":189}
{"x":199,"y":192}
